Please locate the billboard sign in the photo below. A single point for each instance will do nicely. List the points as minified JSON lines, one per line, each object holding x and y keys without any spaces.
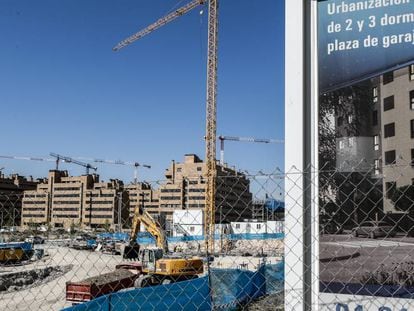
{"x":359,"y":39}
{"x":365,"y":101}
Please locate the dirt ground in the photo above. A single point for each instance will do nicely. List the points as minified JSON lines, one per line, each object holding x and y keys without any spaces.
{"x":50,"y":295}
{"x":272,"y":302}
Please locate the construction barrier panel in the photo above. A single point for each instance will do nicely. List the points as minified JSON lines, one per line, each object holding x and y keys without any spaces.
{"x":230,"y":288}
{"x":145,"y":238}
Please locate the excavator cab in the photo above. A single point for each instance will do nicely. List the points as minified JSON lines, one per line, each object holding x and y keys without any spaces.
{"x":149,"y":257}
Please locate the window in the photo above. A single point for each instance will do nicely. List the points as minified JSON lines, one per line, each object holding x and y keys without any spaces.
{"x":375,"y":117}
{"x":411,"y":72}
{"x":412,"y":157}
{"x":412,"y":100}
{"x":179,"y":170}
{"x":376,"y":142}
{"x":389,"y":130}
{"x":390,"y":188}
{"x":375,"y":94}
{"x":237,"y":226}
{"x":389,"y":103}
{"x":258,"y":226}
{"x":412,"y":128}
{"x":192,"y":229}
{"x":199,"y":169}
{"x":351,"y":141}
{"x":388,"y":77}
{"x":376,"y":166}
{"x":350,"y":119}
{"x":341,"y":144}
{"x":390,"y":157}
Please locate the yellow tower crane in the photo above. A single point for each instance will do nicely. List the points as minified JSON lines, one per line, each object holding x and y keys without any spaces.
{"x":211,"y":106}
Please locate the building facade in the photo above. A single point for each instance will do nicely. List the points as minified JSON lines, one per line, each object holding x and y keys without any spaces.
{"x":394,"y":139}
{"x":64,"y":201}
{"x":374,"y":146}
{"x":11,"y":193}
{"x":185,"y":188}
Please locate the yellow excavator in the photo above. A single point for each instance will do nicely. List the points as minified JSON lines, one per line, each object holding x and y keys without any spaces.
{"x":157,"y":266}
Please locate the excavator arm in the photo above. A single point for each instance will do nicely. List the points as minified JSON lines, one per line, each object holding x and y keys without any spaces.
{"x":152,"y":226}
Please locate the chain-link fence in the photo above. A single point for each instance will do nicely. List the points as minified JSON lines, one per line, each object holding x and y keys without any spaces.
{"x":64,"y":242}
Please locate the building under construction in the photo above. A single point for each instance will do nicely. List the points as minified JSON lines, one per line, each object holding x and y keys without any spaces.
{"x":11,"y":192}
{"x":64,"y":201}
{"x":185,"y":188}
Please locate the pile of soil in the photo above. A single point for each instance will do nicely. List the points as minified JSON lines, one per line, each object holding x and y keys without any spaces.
{"x":30,"y":278}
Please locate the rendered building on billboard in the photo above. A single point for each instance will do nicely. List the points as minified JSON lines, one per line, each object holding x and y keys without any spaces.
{"x":369,"y":135}
{"x":394,"y":137}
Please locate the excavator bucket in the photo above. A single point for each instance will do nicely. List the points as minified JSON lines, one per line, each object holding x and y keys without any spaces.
{"x":131,"y":251}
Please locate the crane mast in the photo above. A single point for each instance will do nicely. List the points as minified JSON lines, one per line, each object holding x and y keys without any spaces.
{"x":211,"y":100}
{"x":211,"y":126}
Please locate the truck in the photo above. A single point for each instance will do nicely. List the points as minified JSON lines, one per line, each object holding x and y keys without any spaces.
{"x":85,"y":290}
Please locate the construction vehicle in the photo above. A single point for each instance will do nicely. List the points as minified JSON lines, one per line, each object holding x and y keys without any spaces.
{"x":157,"y":266}
{"x":93,"y":287}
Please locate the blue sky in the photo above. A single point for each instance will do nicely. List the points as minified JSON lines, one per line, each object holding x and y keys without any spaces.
{"x":64,"y":90}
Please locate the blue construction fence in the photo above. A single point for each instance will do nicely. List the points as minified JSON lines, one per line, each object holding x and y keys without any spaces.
{"x":146,"y":238}
{"x":227,"y":290}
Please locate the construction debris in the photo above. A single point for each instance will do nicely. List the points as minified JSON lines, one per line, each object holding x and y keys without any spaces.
{"x":30,"y":278}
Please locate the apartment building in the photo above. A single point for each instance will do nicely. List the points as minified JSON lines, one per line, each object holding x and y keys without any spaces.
{"x":351,"y":192}
{"x":185,"y":188}
{"x":374,"y":130}
{"x":11,"y":193}
{"x":394,"y":139}
{"x":64,"y":201}
{"x":142,"y":195}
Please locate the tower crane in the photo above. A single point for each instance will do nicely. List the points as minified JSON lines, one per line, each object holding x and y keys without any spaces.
{"x":211,"y":103}
{"x":244,"y":139}
{"x":26,"y":158}
{"x":120,"y":162}
{"x":38,"y":159}
{"x":59,"y":157}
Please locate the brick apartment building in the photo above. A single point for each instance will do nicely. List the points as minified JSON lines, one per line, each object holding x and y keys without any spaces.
{"x":63,"y":201}
{"x":185,"y":188}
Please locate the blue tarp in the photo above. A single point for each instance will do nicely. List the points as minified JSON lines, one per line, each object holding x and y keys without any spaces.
{"x":146,"y":238}
{"x":182,"y":296}
{"x":26,"y":246}
{"x":234,"y":287}
{"x":275,"y":205}
{"x":230,"y":288}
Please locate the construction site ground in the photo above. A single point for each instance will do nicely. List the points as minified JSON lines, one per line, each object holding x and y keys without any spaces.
{"x":50,"y":294}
